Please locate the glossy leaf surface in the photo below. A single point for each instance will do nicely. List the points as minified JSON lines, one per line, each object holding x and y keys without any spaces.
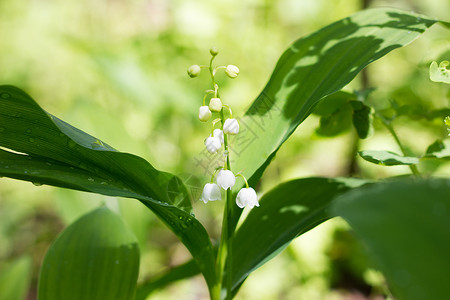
{"x":43,"y":149}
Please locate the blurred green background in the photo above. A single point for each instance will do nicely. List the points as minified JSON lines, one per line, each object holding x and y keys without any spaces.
{"x":117,"y":70}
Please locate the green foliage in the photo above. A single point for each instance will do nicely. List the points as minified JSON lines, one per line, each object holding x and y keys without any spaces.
{"x":15,"y":279}
{"x":405,"y":225}
{"x":96,"y":257}
{"x":387,"y":158}
{"x":440,"y":73}
{"x":286,"y":212}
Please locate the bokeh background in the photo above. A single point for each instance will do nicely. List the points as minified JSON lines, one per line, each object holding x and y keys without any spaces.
{"x":117,"y":70}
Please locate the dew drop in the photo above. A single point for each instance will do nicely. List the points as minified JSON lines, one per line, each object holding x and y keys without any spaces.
{"x":409,"y":32}
{"x":91,"y":179}
{"x":5,"y":95}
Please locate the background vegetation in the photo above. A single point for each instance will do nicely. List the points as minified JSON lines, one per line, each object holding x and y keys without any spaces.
{"x":117,"y":70}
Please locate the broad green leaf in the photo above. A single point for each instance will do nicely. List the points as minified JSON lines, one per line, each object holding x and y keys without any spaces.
{"x":43,"y":149}
{"x":285,"y":212}
{"x":183,"y":271}
{"x":405,"y":226}
{"x":96,"y":257}
{"x":387,"y":158}
{"x":440,"y":73}
{"x":313,"y":67}
{"x":15,"y":278}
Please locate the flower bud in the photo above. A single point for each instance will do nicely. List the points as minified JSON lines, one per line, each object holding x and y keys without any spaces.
{"x":219,"y":134}
{"x":211,"y":192}
{"x":231,"y":126}
{"x":194,"y":71}
{"x":226,"y":179}
{"x":213,"y":144}
{"x":247,"y":197}
{"x":204,"y":114}
{"x":213,"y":51}
{"x":232,"y":71}
{"x":215,"y":104}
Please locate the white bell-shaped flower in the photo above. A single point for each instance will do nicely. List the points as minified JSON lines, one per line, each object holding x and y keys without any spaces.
{"x":213,"y":144}
{"x":211,"y":192}
{"x":232,"y":71}
{"x":231,"y":126}
{"x":215,"y":104}
{"x":225,"y":179}
{"x":219,"y":134}
{"x":247,"y":197}
{"x":204,"y":114}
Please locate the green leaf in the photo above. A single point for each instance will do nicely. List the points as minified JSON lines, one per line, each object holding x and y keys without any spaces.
{"x":285,"y":212}
{"x":180,"y":272}
{"x":332,"y":103}
{"x":336,"y":123}
{"x":96,"y":257}
{"x":362,"y":119}
{"x":440,"y":73}
{"x":387,"y":158}
{"x":15,"y":279}
{"x":439,"y":149}
{"x":405,"y":226}
{"x":313,"y":67}
{"x":43,"y":149}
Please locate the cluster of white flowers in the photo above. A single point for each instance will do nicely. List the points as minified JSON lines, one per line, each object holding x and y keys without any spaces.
{"x":216,"y":140}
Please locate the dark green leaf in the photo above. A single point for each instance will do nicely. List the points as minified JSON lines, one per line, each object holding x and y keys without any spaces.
{"x":286,"y":212}
{"x":362,"y":119}
{"x":332,"y":103}
{"x":313,"y":67}
{"x":45,"y":150}
{"x":96,"y":257}
{"x":406,"y":227}
{"x":387,"y":158}
{"x":336,"y":123}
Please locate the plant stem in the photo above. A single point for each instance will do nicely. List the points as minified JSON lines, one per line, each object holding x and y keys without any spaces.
{"x":224,"y":253}
{"x":389,"y":127}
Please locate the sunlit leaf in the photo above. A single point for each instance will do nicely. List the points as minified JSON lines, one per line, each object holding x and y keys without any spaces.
{"x":285,"y":212}
{"x":387,"y":158}
{"x":440,"y":73}
{"x":43,"y":149}
{"x":405,"y":226}
{"x":311,"y":68}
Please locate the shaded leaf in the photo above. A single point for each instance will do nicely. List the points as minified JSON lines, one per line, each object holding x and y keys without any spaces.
{"x":43,"y":149}
{"x":336,"y":123}
{"x":362,"y":119}
{"x":387,"y":158}
{"x":439,"y":149}
{"x":285,"y":212}
{"x":96,"y":257}
{"x":405,"y":225}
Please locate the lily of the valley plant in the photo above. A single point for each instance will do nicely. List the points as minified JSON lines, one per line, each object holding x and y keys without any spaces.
{"x":404,"y":222}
